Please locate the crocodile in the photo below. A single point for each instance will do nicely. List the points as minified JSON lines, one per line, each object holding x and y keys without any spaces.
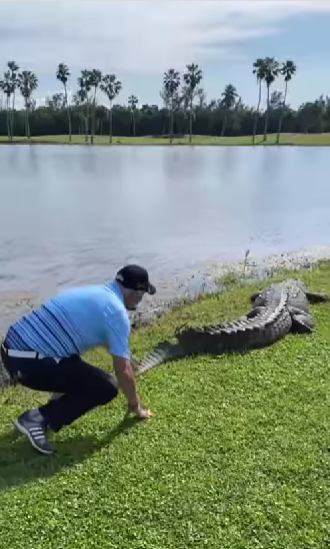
{"x":279,"y":309}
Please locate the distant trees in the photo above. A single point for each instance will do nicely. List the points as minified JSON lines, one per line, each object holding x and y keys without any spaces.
{"x":28,"y":83}
{"x":267,"y":70}
{"x":185,"y":108}
{"x":132,"y":103}
{"x":179,"y":95}
{"x":192,"y":78}
{"x":7,"y":88}
{"x":95,"y":79}
{"x":259,"y":69}
{"x":170,"y":94}
{"x":62,"y":74}
{"x":51,"y":118}
{"x":84,"y":84}
{"x":111,"y":87}
{"x":271,"y":72}
{"x":13,"y":75}
{"x":228,"y":101}
{"x":9,"y":85}
{"x":288,"y":70}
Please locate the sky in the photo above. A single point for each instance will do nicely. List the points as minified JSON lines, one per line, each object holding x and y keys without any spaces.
{"x":139,"y":40}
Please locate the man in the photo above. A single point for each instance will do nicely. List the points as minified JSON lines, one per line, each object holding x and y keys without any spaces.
{"x":43,"y":351}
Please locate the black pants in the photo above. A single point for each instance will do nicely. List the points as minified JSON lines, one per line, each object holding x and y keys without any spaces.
{"x":84,"y":386}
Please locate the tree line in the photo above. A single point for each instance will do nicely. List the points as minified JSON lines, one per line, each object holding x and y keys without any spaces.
{"x":185,"y":108}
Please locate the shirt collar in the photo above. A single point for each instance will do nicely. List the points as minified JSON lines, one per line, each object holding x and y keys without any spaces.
{"x":114,"y":286}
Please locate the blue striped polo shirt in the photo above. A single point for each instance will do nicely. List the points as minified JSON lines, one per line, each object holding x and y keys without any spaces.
{"x":75,"y":321}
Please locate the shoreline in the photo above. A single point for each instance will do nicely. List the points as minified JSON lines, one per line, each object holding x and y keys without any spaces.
{"x":219,"y":277}
{"x":286,"y":140}
{"x":209,"y":279}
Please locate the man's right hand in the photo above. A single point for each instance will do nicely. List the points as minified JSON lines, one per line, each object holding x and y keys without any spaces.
{"x":139,"y":410}
{"x":125,"y":376}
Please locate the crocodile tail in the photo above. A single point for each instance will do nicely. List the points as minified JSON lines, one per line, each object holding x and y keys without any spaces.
{"x":164,"y":352}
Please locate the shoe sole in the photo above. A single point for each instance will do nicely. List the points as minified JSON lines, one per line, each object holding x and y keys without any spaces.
{"x":25,"y":432}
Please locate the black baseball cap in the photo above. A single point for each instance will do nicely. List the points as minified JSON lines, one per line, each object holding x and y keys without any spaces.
{"x":134,"y":277}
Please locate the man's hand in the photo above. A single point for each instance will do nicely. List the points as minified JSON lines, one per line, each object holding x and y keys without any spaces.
{"x":125,"y":376}
{"x":139,"y":410}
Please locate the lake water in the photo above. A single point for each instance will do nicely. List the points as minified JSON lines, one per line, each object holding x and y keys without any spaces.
{"x":73,"y":215}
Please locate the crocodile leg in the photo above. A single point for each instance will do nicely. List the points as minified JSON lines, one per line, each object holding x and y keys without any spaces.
{"x":255,"y":312}
{"x":302,"y":322}
{"x":315,"y":297}
{"x":254,"y":296}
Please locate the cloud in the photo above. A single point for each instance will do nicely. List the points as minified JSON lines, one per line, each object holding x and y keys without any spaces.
{"x":133,"y":37}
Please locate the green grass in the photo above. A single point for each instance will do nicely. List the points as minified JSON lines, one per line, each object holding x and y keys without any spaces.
{"x":236,"y":456}
{"x":285,"y":139}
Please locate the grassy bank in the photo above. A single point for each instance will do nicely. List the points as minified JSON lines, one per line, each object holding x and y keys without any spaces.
{"x":286,"y":139}
{"x":236,"y":456}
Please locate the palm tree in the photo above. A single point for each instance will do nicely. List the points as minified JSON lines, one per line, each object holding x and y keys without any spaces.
{"x":276,"y":100}
{"x":287,"y":70}
{"x":6,"y":86}
{"x":192,"y":78}
{"x":184,"y":101}
{"x":28,"y":82}
{"x":271,"y":72}
{"x":84,"y":89}
{"x":228,"y":101}
{"x":79,"y":99}
{"x":56,"y":102}
{"x":167,"y":107}
{"x":62,"y":74}
{"x":171,"y":83}
{"x":95,"y":79}
{"x":13,"y":68}
{"x":201,"y":95}
{"x":132,"y":103}
{"x":259,"y":69}
{"x":111,"y":87}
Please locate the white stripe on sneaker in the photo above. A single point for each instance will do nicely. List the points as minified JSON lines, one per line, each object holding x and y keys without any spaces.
{"x":26,"y":432}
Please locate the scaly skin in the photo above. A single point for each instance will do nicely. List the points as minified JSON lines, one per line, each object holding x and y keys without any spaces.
{"x":278,"y":310}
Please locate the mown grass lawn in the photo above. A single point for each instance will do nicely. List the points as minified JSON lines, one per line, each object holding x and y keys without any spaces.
{"x":236,"y":456}
{"x":317,"y":139}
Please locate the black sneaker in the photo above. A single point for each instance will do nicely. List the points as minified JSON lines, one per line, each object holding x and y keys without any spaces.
{"x":33,"y":428}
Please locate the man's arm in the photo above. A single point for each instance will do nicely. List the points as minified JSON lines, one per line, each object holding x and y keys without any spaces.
{"x":118,"y":332}
{"x":125,"y":376}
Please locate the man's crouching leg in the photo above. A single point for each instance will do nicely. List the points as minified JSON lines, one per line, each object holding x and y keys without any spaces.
{"x":62,"y":409}
{"x":88,"y":388}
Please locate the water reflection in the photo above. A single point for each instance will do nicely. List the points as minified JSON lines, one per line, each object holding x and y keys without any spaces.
{"x":75,"y":214}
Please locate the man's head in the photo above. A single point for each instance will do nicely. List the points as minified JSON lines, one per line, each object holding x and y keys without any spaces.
{"x":134,"y":283}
